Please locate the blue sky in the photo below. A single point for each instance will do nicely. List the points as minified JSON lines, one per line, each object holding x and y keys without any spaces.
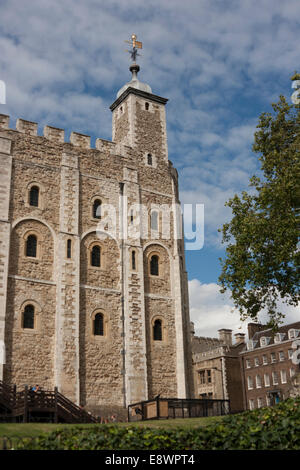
{"x":220,"y":64}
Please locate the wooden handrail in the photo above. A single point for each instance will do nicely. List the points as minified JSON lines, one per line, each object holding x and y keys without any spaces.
{"x":26,"y":401}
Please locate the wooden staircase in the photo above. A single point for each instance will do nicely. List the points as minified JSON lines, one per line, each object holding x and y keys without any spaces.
{"x":41,"y":406}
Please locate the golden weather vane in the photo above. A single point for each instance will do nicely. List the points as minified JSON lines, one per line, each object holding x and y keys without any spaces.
{"x":135,"y":46}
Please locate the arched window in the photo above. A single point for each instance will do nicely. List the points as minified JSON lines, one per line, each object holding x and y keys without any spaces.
{"x":133,"y":262}
{"x":28,"y":317}
{"x":154,"y":220}
{"x":97,"y":209}
{"x":146,"y":106}
{"x":98,"y":325}
{"x":149,"y":159}
{"x":31,"y":246}
{"x":154,"y":265}
{"x":96,"y":256}
{"x":157,"y":330}
{"x":34,"y":196}
{"x":69,"y":248}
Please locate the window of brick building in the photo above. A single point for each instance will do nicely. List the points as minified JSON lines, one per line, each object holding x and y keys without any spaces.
{"x":31,"y":246}
{"x":273,"y":357}
{"x":202,"y":377}
{"x":248,"y":363}
{"x":208,"y":376}
{"x":133,"y":260}
{"x":251,"y":404}
{"x":250,"y":383}
{"x":267,"y":380}
{"x":265,"y":359}
{"x":97,"y":209}
{"x":256,"y":361}
{"x":157,"y":330}
{"x":283,"y":376}
{"x":258,"y":381}
{"x":96,"y":256}
{"x":34,"y":196}
{"x":259,"y":402}
{"x":154,"y":220}
{"x":154,"y":265}
{"x":281,"y":355}
{"x":98,"y":325}
{"x":28,"y":317}
{"x":69,"y":248}
{"x":275,"y":378}
{"x":290,"y":353}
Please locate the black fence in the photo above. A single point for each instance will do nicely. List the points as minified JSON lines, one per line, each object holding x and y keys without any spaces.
{"x":168,"y":408}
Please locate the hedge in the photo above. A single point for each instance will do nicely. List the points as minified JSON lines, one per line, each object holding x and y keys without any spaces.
{"x":270,"y":428}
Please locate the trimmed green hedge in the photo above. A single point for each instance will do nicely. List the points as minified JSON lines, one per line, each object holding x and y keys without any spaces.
{"x":266,"y":428}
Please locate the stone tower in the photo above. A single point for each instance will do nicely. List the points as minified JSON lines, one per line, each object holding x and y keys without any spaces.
{"x":103,"y":316}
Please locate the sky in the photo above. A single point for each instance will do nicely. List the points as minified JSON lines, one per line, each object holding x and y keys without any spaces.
{"x":221,"y":63}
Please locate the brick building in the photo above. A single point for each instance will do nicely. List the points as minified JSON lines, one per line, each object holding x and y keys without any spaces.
{"x":216,"y":367}
{"x":268,"y":364}
{"x":104,"y":318}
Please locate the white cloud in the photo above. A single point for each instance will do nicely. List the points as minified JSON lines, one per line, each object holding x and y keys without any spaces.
{"x":210,"y":310}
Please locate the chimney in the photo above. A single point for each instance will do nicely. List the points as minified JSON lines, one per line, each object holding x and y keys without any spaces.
{"x":225,"y":336}
{"x":255,"y":328}
{"x":239,"y":338}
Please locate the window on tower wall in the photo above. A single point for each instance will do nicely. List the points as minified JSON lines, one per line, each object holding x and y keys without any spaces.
{"x":97,"y":209}
{"x":154,"y":220}
{"x":157,"y":330}
{"x":98,"y":325}
{"x":31,"y":246}
{"x":34,"y":196}
{"x":149,"y":159}
{"x":154,"y":261}
{"x":96,"y":256}
{"x":146,"y":106}
{"x":69,"y":248}
{"x":28,"y":317}
{"x":133,"y":261}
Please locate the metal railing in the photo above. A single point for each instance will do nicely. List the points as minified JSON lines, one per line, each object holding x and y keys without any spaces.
{"x":166,"y":408}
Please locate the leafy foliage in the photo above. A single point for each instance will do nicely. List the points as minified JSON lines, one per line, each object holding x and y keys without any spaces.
{"x":262,"y":262}
{"x":265,"y":428}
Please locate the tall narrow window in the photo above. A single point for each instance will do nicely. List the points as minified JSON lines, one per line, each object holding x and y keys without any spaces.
{"x":98,"y":325}
{"x":149,"y":159}
{"x":31,"y":246}
{"x":34,"y":196}
{"x":154,"y":220}
{"x":69,"y":248}
{"x":97,"y":209}
{"x":133,"y":262}
{"x":157,"y":330}
{"x":146,"y":106}
{"x":96,"y":256}
{"x":154,"y":265}
{"x":28,"y":317}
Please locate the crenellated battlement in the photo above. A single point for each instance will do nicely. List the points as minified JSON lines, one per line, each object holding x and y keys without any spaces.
{"x":58,"y":135}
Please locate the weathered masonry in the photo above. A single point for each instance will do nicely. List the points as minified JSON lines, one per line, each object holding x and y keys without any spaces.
{"x":106,"y":319}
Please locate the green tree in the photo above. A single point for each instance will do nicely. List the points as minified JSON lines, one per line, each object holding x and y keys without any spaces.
{"x":262,"y":263}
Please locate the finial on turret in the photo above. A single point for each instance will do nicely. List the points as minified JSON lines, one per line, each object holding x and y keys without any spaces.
{"x":135,"y":46}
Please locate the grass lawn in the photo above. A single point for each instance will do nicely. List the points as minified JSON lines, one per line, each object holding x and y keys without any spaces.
{"x":22,"y":430}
